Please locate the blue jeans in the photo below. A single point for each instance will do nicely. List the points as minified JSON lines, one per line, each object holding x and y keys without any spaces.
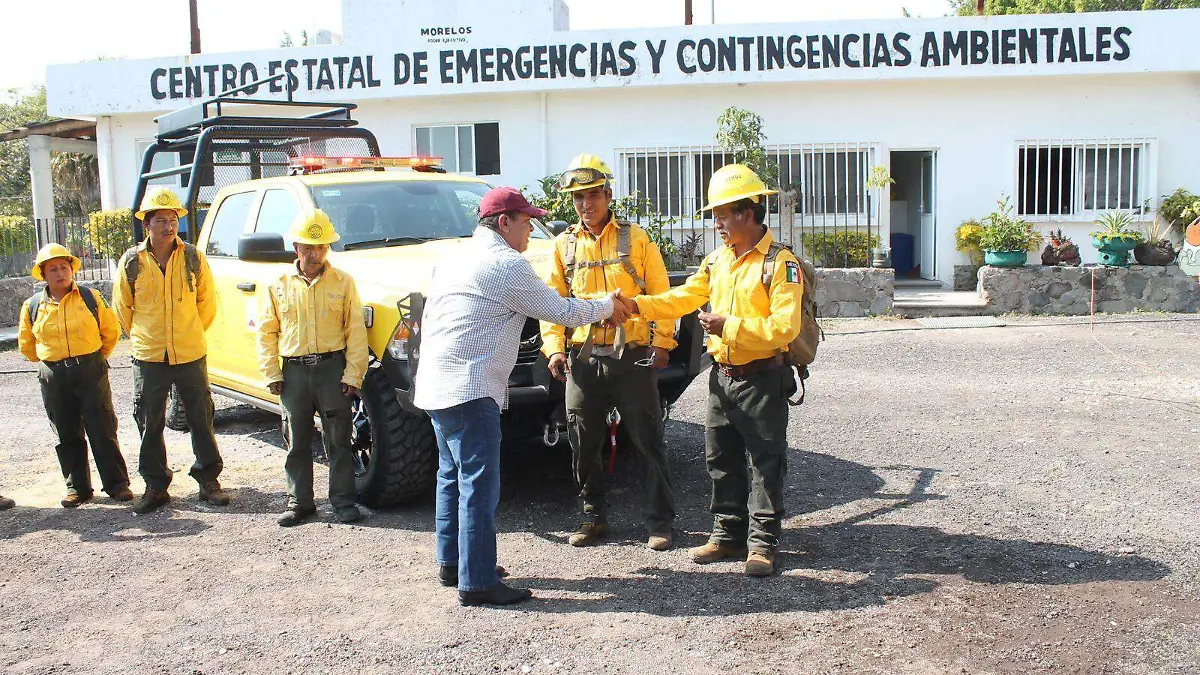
{"x":468,"y":490}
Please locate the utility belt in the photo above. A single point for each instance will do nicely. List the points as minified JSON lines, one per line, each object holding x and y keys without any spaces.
{"x":74,"y":361}
{"x":738,"y":372}
{"x":607,"y":351}
{"x":312,"y":359}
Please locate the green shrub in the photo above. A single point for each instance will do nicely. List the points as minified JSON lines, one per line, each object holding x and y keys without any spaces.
{"x":1180,"y":208}
{"x":109,"y":232}
{"x":846,"y":248}
{"x":16,"y":235}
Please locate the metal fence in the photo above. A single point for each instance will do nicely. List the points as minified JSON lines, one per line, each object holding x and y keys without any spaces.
{"x":20,"y":240}
{"x":824,"y":209}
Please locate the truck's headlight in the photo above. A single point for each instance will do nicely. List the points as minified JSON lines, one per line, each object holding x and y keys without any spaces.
{"x":398,"y":345}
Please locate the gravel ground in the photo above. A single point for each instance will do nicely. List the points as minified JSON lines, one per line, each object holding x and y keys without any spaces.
{"x":1000,"y":500}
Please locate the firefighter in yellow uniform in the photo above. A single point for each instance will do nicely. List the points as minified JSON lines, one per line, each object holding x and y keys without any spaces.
{"x":750,"y":324}
{"x":604,"y":366}
{"x":312,"y":321}
{"x":165,"y":300}
{"x":69,"y":332}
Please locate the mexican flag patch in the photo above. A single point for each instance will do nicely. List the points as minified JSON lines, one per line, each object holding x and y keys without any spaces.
{"x":793,"y":272}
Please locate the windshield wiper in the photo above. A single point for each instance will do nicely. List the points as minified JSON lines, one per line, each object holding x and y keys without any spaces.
{"x":387,"y":241}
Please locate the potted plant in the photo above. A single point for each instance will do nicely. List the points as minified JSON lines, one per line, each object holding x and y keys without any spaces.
{"x":1156,"y":250}
{"x":1115,"y":238}
{"x":1060,"y":251}
{"x":1179,"y":208}
{"x":1007,"y":240}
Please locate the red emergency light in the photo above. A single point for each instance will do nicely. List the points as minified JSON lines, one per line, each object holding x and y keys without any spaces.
{"x":311,"y":163}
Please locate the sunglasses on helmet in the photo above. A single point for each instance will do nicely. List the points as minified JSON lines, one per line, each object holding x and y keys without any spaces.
{"x":573,"y":177}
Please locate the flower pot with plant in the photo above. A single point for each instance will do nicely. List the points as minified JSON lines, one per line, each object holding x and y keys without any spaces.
{"x":1156,"y":250}
{"x":966,"y":240}
{"x":1060,"y":251}
{"x":1006,"y":240}
{"x":1115,"y":238}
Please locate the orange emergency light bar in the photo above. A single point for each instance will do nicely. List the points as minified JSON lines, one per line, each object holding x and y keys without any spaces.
{"x":327,"y":163}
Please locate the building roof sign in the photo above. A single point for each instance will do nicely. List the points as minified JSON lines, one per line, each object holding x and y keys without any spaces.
{"x":459,"y":60}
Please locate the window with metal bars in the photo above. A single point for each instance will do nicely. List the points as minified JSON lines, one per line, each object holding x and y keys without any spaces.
{"x":1056,"y":179}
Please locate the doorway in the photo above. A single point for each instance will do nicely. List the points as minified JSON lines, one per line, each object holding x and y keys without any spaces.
{"x":914,"y":214}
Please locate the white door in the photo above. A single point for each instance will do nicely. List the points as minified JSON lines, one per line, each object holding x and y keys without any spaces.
{"x":927,"y":209}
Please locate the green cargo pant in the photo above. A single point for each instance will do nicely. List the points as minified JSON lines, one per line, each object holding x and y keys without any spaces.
{"x":317,"y":389}
{"x":151,"y":385}
{"x":594,"y":386}
{"x":78,"y":400}
{"x":747,"y":417}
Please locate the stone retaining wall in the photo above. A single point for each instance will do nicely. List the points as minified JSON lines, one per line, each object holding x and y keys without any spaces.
{"x":16,"y":290}
{"x":1036,"y":289}
{"x":854,"y":292}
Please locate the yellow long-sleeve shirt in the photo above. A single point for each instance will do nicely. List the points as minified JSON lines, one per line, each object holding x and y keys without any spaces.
{"x":597,"y":282}
{"x":164,"y":318}
{"x":298,"y":318}
{"x":67,"y":328}
{"x":759,"y":321}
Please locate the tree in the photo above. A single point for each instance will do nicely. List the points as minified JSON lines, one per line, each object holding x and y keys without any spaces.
{"x":967,"y":7}
{"x":18,"y":110}
{"x":741,"y":132}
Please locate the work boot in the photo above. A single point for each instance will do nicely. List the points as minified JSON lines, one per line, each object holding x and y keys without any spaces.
{"x":6,"y":503}
{"x":659,"y":541}
{"x":349,"y":514}
{"x":150,"y":500}
{"x":295,"y":515}
{"x":589,"y":533}
{"x":121,"y":494}
{"x":74,"y":499}
{"x":497,"y":594}
{"x":211,"y":492}
{"x":759,"y":564}
{"x":448,"y":574}
{"x":715,"y":551}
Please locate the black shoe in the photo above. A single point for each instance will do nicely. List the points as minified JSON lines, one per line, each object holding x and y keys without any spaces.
{"x":448,"y":574}
{"x":349,"y":514}
{"x":498,"y":594}
{"x":74,"y":499}
{"x":294,"y":516}
{"x":6,"y":503}
{"x":151,"y":500}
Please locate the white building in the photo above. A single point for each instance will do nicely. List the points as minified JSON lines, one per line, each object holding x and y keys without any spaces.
{"x":1069,"y":115}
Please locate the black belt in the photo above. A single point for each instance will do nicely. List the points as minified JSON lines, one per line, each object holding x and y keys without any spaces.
{"x":311,"y":359}
{"x":738,"y":372}
{"x":72,"y":361}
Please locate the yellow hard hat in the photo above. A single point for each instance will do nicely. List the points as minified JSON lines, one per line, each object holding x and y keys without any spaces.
{"x":733,"y":183}
{"x":50,"y":252}
{"x":585,"y":171}
{"x":314,"y":229}
{"x":162,"y":198}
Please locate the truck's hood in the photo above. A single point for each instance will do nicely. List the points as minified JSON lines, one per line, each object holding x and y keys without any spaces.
{"x":385,"y":275}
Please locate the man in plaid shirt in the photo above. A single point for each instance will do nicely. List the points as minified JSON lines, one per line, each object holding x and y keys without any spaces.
{"x":471,"y":330}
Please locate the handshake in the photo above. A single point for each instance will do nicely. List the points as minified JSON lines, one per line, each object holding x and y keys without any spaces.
{"x":623,"y":308}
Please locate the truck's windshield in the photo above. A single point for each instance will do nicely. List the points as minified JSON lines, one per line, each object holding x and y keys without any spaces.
{"x":402,"y":212}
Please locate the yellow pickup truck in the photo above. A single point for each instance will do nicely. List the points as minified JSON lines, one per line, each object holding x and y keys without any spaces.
{"x":248,"y":181}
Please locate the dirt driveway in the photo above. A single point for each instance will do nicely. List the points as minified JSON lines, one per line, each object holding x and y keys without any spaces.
{"x":1001,"y":500}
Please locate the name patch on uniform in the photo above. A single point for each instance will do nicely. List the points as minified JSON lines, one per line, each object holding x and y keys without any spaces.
{"x":793,"y":271}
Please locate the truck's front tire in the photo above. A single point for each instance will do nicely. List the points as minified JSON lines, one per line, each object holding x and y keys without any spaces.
{"x":396,"y":450}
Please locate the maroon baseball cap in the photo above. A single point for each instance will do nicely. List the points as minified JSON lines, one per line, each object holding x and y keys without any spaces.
{"x":505,"y":199}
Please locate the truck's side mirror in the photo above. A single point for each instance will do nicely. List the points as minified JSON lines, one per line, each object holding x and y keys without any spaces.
{"x":557,"y":226}
{"x":264,"y":247}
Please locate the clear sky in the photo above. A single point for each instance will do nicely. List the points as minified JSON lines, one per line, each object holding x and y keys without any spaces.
{"x":36,"y":34}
